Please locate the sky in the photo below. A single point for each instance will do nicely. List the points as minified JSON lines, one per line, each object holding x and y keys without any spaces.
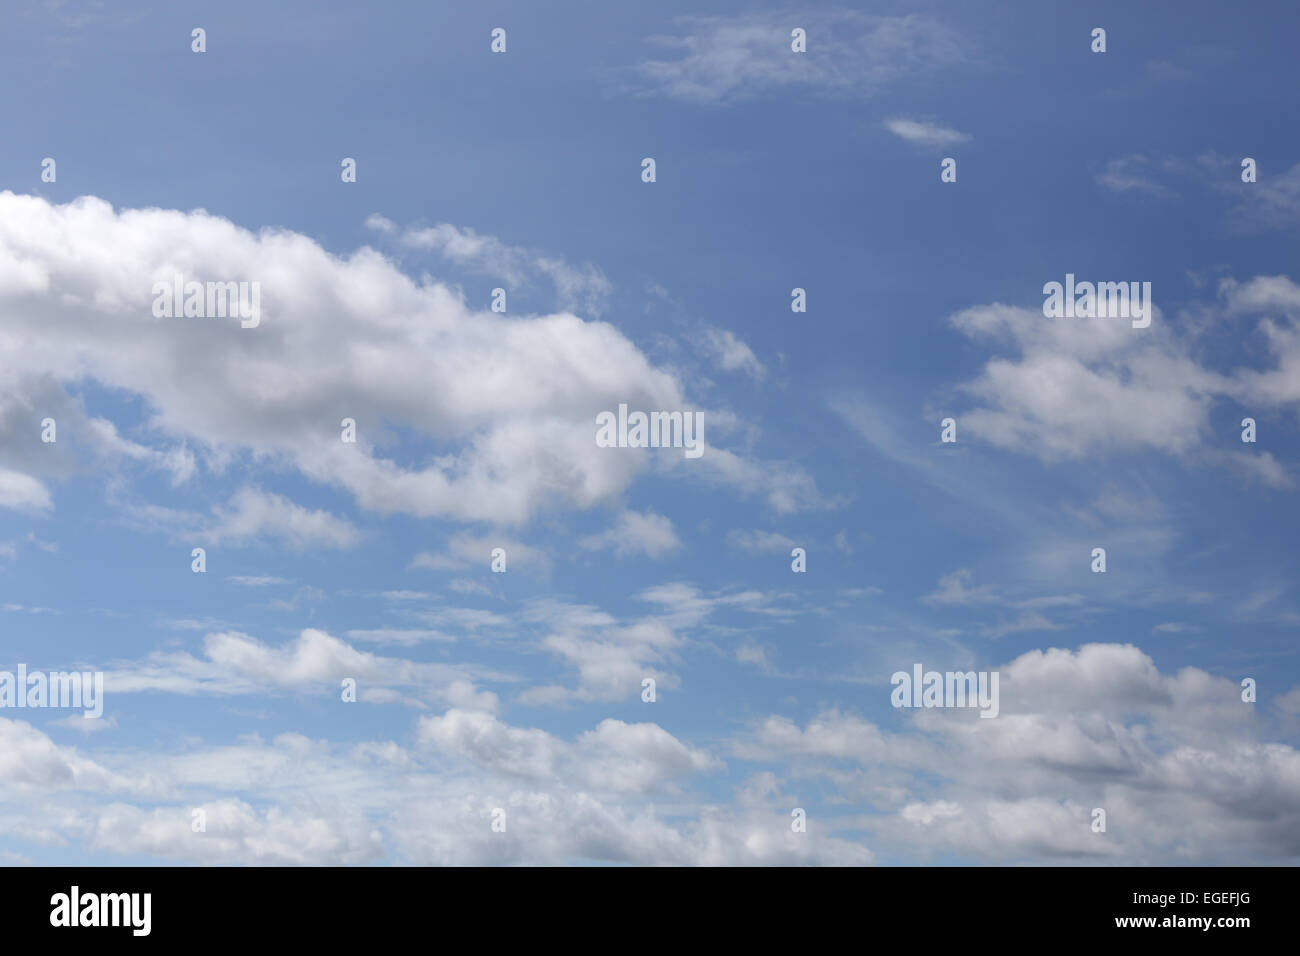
{"x":502,"y":717}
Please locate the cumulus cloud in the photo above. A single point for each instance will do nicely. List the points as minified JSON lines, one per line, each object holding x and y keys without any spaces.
{"x":611,"y":658}
{"x":514,"y":404}
{"x":1100,"y":726}
{"x":237,"y":834}
{"x":1184,"y":769}
{"x":29,"y":759}
{"x":23,"y":492}
{"x":253,"y":513}
{"x":636,"y":533}
{"x":1081,"y":386}
{"x":615,"y":756}
{"x":298,"y":801}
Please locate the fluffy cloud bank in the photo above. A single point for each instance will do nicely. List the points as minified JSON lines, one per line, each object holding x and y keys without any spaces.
{"x":1179,"y":762}
{"x":505,"y":405}
{"x":1079,"y":386}
{"x":1185,"y":770}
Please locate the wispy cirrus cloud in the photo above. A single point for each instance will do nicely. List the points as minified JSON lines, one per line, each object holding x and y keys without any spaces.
{"x":582,"y":287}
{"x":725,"y":59}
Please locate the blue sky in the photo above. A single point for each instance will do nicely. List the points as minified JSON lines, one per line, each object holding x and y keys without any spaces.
{"x":522,"y":690}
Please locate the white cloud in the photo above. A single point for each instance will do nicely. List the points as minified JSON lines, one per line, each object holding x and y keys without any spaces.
{"x":925,"y":134}
{"x":28,"y":758}
{"x":955,"y":588}
{"x":237,"y":833}
{"x":468,"y":586}
{"x":576,"y":287}
{"x":515,"y":402}
{"x":636,"y":533}
{"x":298,"y":801}
{"x":179,"y":461}
{"x":466,"y":551}
{"x":788,"y":487}
{"x":405,"y":595}
{"x":614,"y":757}
{"x":758,"y":541}
{"x":15,"y":608}
{"x":83,"y":725}
{"x":1177,"y":757}
{"x":252,"y":513}
{"x":1083,"y":386}
{"x":23,"y":492}
{"x":235,"y":664}
{"x":405,"y":636}
{"x":1026,"y":621}
{"x":1273,"y":201}
{"x":1136,"y":174}
{"x":731,"y":354}
{"x":611,"y":657}
{"x":724,"y":59}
